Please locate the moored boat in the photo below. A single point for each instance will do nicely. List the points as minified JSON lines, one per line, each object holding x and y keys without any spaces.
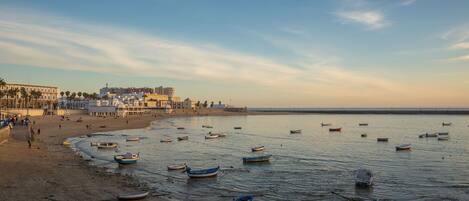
{"x":363,"y":178}
{"x":133,"y":196}
{"x":404,"y":147}
{"x":107,"y":145}
{"x":295,"y":131}
{"x":180,"y":128}
{"x":244,"y":198}
{"x":207,"y":126}
{"x":66,"y":143}
{"x":431,"y":135}
{"x":237,"y":127}
{"x":335,"y":129}
{"x":177,"y":166}
{"x":443,"y":138}
{"x":259,"y":148}
{"x":130,"y":139}
{"x":255,"y":159}
{"x":443,"y":133}
{"x":362,"y":124}
{"x":166,"y":140}
{"x":183,"y":138}
{"x":382,"y":139}
{"x":364,"y":135}
{"x":446,"y":124}
{"x":325,"y":124}
{"x":201,"y":173}
{"x":127,"y":158}
{"x":211,"y":136}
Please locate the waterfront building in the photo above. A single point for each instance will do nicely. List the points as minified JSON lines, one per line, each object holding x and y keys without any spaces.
{"x":46,"y":98}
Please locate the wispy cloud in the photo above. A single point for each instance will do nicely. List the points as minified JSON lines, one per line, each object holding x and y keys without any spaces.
{"x":460,"y":58}
{"x":458,"y":33}
{"x":461,"y":45}
{"x":407,"y":2}
{"x":370,"y":18}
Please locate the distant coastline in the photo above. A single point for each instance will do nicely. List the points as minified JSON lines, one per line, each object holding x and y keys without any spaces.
{"x":435,"y":111}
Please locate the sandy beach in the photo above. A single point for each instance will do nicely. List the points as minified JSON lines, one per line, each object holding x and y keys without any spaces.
{"x":50,"y":171}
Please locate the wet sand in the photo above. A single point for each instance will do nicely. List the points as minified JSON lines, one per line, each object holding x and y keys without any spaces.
{"x":50,"y":171}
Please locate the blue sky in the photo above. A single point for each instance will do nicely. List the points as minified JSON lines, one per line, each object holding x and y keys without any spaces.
{"x":349,"y":53}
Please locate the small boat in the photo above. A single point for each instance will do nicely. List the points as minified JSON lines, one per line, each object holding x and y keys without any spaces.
{"x":382,"y":139}
{"x":201,"y":173}
{"x":363,"y":178}
{"x":177,"y":166}
{"x":403,"y":147}
{"x":325,"y":124}
{"x":180,"y":128}
{"x":183,"y":138}
{"x":130,"y":139}
{"x":295,"y":131}
{"x":443,"y":138}
{"x":107,"y":145}
{"x":443,"y":133}
{"x":166,"y":140}
{"x":133,"y":196}
{"x":211,"y":136}
{"x":237,"y":127}
{"x":127,"y":158}
{"x":362,"y":124}
{"x":431,"y":135}
{"x":446,"y":124}
{"x":94,"y":144}
{"x":364,"y":135}
{"x":255,"y":159}
{"x":219,"y":134}
{"x":423,"y":135}
{"x":244,"y":198}
{"x":259,"y":148}
{"x":335,"y":129}
{"x":207,"y":126}
{"x":66,"y":143}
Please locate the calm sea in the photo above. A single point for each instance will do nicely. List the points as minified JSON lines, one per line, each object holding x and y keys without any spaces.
{"x":306,"y":166}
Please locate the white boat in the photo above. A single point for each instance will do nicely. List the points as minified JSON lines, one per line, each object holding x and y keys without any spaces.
{"x":133,"y":196}
{"x":443,"y":133}
{"x":259,"y":148}
{"x":132,"y":139}
{"x":363,"y":178}
{"x":404,"y":147}
{"x":212,"y":136}
{"x":295,"y":131}
{"x":177,"y":166}
{"x":219,"y":134}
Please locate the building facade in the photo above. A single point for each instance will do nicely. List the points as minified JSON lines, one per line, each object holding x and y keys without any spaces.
{"x":36,"y":96}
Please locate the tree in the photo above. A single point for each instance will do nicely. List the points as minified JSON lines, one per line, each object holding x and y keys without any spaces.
{"x":25,"y":97}
{"x":62,"y":94}
{"x":79,"y":94}
{"x":85,"y":95}
{"x":197,"y":104}
{"x":36,"y":95}
{"x":11,"y":93}
{"x":205,"y":104}
{"x":67,"y":93}
{"x":95,"y":96}
{"x":211,"y":104}
{"x":219,"y":102}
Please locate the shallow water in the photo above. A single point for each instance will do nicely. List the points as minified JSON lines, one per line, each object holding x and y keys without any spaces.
{"x":306,"y":166}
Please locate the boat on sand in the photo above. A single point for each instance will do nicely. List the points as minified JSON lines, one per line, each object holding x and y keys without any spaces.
{"x":202,"y":173}
{"x":259,"y":148}
{"x":127,"y":158}
{"x":256,"y":159}
{"x":363,"y":178}
{"x":133,"y":196}
{"x":403,"y":147}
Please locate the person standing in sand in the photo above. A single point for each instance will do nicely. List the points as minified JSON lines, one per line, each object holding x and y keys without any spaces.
{"x":30,"y":135}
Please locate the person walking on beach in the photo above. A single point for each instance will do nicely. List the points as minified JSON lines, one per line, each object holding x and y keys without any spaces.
{"x":30,"y":136}
{"x":60,"y":126}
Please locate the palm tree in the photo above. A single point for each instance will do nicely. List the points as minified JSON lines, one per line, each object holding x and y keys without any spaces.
{"x":67,"y":93}
{"x":24,"y":96}
{"x":197,"y":104}
{"x":72,"y":98}
{"x":79,"y":94}
{"x":62,"y":94}
{"x":205,"y":104}
{"x":14,"y":94}
{"x":36,"y":95}
{"x":211,"y":104}
{"x":2,"y":92}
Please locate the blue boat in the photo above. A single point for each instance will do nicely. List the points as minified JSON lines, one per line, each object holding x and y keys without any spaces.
{"x":127,"y":158}
{"x":244,"y":198}
{"x":254,"y":159}
{"x":210,"y":172}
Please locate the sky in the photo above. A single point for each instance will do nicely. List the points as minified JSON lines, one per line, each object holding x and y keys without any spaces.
{"x":256,"y":53}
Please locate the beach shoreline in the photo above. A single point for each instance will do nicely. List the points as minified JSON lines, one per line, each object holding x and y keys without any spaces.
{"x":50,"y":171}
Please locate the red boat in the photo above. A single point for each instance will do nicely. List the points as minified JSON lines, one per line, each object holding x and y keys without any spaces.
{"x":335,"y":129}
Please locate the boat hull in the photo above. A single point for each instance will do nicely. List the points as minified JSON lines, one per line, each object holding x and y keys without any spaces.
{"x":335,"y":129}
{"x":257,"y":159}
{"x":212,"y":172}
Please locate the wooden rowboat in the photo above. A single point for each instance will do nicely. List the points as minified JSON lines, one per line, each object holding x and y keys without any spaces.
{"x":443,"y":138}
{"x":183,"y":138}
{"x":325,"y":124}
{"x":166,"y":140}
{"x":180,"y":128}
{"x":335,"y":129}
{"x":256,"y":159}
{"x":107,"y":145}
{"x":201,"y":173}
{"x":259,"y":148}
{"x":363,"y":178}
{"x":446,"y":124}
{"x":127,"y":158}
{"x":295,"y":131}
{"x":237,"y":127}
{"x":177,"y":166}
{"x":443,"y":133}
{"x":133,"y":196}
{"x":66,"y":143}
{"x":382,"y":139}
{"x":363,"y":124}
{"x":403,"y":147}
